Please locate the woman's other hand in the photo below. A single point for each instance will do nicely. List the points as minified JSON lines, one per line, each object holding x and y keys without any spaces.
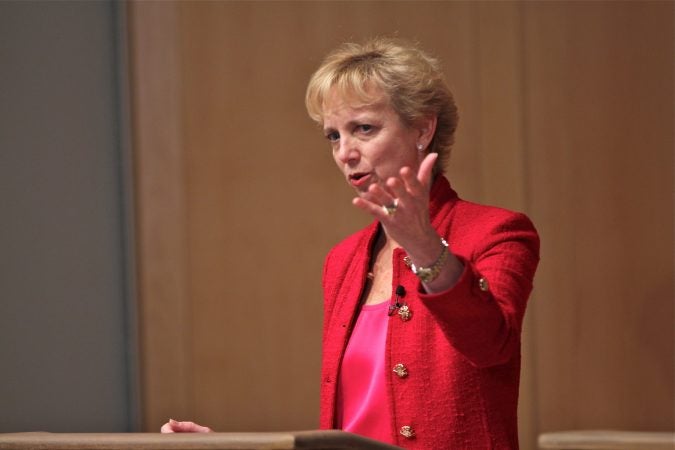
{"x":174,"y":426}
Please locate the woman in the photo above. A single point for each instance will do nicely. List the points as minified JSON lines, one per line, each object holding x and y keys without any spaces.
{"x":423,"y":308}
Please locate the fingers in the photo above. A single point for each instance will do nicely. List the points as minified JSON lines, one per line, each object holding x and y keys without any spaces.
{"x":174,"y":426}
{"x":378,"y":194}
{"x":419,"y":183}
{"x":370,"y":207}
{"x":426,"y":169}
{"x":406,"y":190}
{"x":399,"y":187}
{"x":411,"y":184}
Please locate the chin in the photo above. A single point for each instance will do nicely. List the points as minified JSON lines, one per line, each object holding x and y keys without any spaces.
{"x":360,"y":192}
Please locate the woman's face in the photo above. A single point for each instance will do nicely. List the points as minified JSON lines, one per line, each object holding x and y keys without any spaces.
{"x":370,"y":143}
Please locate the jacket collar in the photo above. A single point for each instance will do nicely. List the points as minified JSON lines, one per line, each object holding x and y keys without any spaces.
{"x":441,"y":196}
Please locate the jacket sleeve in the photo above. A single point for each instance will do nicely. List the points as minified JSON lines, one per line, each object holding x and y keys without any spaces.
{"x":482,"y":313}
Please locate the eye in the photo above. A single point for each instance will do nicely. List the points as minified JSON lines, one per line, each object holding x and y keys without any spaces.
{"x":333,"y":136}
{"x":366,"y":128}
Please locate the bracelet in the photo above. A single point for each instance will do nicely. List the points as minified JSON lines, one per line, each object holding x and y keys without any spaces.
{"x":429,"y":274}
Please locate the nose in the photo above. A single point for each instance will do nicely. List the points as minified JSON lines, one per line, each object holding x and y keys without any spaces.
{"x":347,"y":151}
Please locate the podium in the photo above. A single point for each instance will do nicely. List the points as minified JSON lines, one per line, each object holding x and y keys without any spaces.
{"x":607,"y":440}
{"x":309,"y":440}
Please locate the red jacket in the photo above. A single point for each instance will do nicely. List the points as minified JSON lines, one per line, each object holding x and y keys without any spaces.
{"x":461,"y":348}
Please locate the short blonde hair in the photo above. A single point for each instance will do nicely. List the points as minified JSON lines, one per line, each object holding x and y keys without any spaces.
{"x":411,"y":79}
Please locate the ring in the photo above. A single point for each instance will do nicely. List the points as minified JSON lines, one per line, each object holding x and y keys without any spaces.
{"x":390,"y":210}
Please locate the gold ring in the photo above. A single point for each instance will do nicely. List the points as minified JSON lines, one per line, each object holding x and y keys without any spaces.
{"x":390,"y":210}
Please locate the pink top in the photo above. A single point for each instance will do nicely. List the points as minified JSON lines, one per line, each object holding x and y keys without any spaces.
{"x":361,"y":395}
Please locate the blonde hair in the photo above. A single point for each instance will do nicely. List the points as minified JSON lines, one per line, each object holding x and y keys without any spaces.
{"x":411,"y":79}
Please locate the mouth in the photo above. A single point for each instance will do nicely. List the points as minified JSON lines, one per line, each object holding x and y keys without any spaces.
{"x":359,"y":179}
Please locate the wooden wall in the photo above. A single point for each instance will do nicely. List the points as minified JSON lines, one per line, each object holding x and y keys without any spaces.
{"x":599,"y":107}
{"x":566,"y":114}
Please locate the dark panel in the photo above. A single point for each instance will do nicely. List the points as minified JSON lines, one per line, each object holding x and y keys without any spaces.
{"x":63,"y":338}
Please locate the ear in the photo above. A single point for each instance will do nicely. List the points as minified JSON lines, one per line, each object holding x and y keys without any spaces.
{"x":426,"y":128}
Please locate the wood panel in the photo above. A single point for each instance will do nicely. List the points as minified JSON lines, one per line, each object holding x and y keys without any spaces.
{"x":161,"y":219}
{"x":503,"y":164}
{"x":263,"y":200}
{"x":566,"y":114}
{"x":600,"y":140}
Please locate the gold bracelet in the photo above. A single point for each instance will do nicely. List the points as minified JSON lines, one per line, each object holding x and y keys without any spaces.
{"x":429,"y":274}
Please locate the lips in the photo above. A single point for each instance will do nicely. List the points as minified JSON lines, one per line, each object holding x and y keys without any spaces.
{"x":359,"y":179}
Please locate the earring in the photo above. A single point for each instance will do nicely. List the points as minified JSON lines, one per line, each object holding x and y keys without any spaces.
{"x":420,"y":147}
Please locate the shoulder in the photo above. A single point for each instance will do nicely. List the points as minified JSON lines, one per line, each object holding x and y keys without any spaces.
{"x":469,"y":214}
{"x":450,"y":212}
{"x":476,"y":228}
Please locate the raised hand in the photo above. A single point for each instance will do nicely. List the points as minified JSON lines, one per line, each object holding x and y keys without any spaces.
{"x":407,"y":197}
{"x":402,"y":207}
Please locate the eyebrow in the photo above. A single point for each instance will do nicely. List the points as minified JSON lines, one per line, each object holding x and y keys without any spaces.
{"x":349,"y":124}
{"x":359,"y":120}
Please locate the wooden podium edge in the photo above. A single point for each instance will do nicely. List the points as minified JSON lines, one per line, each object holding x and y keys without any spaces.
{"x":307,"y":440}
{"x":607,"y":440}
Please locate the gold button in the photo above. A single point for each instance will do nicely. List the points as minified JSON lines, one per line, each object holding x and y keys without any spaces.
{"x":407,"y":432}
{"x":405,"y":313}
{"x":483,"y":285}
{"x":407,"y":261}
{"x":400,"y":370}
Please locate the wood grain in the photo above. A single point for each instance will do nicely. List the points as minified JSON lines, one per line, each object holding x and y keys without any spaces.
{"x":566,"y":114}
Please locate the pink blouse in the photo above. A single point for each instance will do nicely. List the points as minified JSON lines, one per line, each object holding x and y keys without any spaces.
{"x":361,"y":396}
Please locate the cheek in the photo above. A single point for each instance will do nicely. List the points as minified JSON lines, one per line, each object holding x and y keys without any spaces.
{"x":378,"y":151}
{"x":336,"y":160}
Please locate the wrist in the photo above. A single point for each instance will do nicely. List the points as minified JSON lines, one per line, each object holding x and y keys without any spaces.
{"x":430,"y":272}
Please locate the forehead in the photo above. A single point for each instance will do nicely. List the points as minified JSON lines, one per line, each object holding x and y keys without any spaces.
{"x":340,"y":102}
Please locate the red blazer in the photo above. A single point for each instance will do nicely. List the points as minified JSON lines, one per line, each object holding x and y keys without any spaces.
{"x":460,"y":348}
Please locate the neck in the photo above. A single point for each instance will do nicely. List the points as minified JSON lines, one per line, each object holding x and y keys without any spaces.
{"x":385,"y":242}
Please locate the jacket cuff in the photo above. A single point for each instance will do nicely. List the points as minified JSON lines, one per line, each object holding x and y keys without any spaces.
{"x":469,"y":285}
